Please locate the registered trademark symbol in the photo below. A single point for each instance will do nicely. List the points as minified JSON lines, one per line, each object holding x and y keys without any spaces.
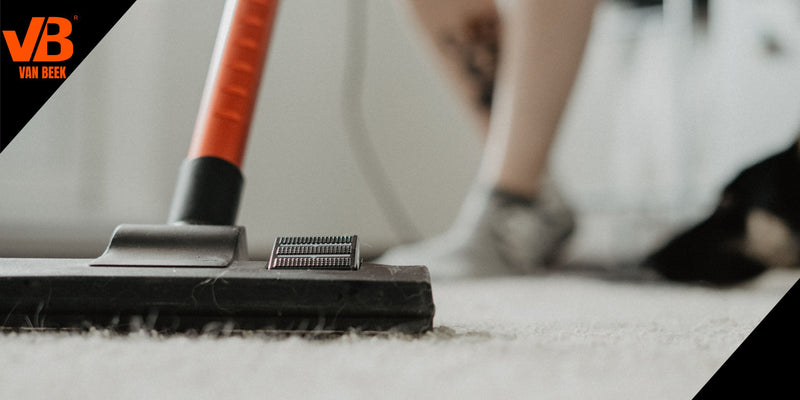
{"x":75,"y":17}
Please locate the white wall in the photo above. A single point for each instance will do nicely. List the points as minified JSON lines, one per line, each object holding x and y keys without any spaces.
{"x":105,"y":149}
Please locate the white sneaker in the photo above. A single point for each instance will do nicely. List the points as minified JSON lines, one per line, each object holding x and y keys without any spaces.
{"x":495,"y":233}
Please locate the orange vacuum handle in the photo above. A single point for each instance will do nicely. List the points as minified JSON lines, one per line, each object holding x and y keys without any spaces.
{"x":231,"y":89}
{"x":210,"y":180}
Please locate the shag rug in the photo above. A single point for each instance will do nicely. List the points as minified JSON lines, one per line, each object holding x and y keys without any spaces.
{"x":542,"y":337}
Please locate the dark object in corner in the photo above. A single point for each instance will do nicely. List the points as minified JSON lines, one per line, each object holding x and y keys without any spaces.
{"x":755,"y":226}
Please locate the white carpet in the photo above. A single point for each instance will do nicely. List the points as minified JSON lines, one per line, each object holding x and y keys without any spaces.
{"x":547,"y":337}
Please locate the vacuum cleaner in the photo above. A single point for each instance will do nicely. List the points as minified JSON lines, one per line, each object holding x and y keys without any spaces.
{"x":193,"y":273}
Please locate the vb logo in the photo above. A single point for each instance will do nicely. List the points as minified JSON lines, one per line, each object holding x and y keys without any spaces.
{"x":40,"y":32}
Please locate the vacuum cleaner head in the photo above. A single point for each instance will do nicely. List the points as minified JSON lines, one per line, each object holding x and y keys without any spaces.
{"x":124,"y":291}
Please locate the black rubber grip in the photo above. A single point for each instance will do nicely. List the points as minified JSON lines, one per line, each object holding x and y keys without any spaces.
{"x":207,"y":192}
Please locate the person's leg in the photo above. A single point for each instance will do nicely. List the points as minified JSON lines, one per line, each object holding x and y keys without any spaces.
{"x":464,"y":37}
{"x":510,"y":221}
{"x":543,"y":44}
{"x":543,"y":47}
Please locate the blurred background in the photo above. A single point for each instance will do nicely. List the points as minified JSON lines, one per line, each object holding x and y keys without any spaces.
{"x":667,"y":109}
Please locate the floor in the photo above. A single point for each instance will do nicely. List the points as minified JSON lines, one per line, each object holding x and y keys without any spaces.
{"x":559,"y":336}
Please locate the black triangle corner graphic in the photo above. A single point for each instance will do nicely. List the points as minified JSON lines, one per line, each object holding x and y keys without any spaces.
{"x":765,"y":366}
{"x":41,"y":44}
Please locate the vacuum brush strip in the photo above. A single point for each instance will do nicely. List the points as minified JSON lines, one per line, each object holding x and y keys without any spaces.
{"x":315,"y":252}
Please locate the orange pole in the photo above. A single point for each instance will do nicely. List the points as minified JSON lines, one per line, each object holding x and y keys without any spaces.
{"x":231,"y":89}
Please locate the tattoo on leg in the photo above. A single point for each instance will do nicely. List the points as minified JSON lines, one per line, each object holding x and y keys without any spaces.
{"x":477,"y":48}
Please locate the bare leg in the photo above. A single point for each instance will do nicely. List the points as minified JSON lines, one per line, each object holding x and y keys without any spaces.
{"x":464,"y":37}
{"x":543,"y":46}
{"x":510,"y":222}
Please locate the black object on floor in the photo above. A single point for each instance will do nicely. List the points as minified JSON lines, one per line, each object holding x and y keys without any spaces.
{"x":756,"y":226}
{"x":56,"y":293}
